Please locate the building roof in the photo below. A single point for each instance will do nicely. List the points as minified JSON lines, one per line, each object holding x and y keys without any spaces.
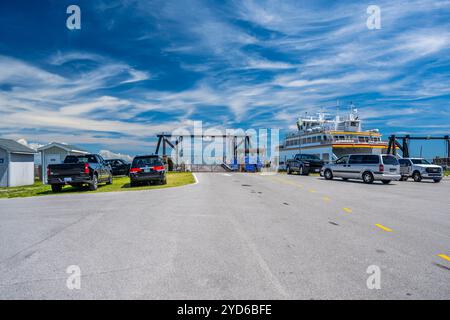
{"x":15,"y":147}
{"x":65,"y":146}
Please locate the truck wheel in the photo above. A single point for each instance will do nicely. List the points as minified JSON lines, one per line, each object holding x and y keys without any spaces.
{"x":300,"y":171}
{"x":368,"y":177}
{"x":328,"y":174}
{"x":386,"y":181}
{"x":288,"y":170}
{"x":437,"y":180}
{"x":404,"y":178}
{"x":57,"y":187}
{"x":94,"y":184}
{"x":110,"y":180}
{"x":417,"y":177}
{"x":163,"y":181}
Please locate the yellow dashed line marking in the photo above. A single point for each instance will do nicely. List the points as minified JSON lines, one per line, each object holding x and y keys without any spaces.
{"x":383,"y":228}
{"x":443,"y":256}
{"x":287,"y":182}
{"x":348,"y":210}
{"x":312,"y":190}
{"x":326,"y":199}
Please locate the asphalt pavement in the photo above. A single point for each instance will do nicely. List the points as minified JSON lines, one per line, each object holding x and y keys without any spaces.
{"x":231,"y":236}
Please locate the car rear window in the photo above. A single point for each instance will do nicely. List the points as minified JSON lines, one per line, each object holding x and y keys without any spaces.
{"x":80,"y":159}
{"x":149,"y":161}
{"x":390,"y":160}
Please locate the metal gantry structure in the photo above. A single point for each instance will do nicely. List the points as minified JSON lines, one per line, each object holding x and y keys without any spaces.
{"x":164,"y":140}
{"x":405,"y":142}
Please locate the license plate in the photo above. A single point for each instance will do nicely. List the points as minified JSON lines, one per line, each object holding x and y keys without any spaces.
{"x":393,"y":170}
{"x":67,"y":179}
{"x":316,"y":170}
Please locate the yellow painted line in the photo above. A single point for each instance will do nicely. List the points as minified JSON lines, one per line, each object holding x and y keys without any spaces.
{"x":443,"y":256}
{"x":383,"y":228}
{"x":348,"y":210}
{"x":312,"y":190}
{"x":288,"y":182}
{"x":327,"y":199}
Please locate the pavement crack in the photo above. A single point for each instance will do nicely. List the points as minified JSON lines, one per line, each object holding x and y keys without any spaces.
{"x":259,"y":259}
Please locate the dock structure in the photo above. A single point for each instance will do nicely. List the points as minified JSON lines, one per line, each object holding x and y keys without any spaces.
{"x":394,"y":143}
{"x":229,"y":160}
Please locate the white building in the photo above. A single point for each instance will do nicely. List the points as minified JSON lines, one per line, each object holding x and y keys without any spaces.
{"x":16,"y":164}
{"x":55,"y":153}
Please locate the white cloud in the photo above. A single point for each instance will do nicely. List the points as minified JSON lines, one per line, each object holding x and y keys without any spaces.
{"x":106,"y":154}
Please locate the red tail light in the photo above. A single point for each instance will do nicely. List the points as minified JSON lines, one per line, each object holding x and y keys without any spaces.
{"x":134,"y":170}
{"x":86,"y":168}
{"x":381,"y":167}
{"x":158,"y":168}
{"x":48,"y":171}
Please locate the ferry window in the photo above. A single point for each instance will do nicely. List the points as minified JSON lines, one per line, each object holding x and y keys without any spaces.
{"x":314,"y":139}
{"x":325,"y":138}
{"x":309,"y":140}
{"x":353,"y":124}
{"x":361,"y":139}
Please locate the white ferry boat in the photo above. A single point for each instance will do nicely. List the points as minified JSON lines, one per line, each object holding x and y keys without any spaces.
{"x":330,"y":138}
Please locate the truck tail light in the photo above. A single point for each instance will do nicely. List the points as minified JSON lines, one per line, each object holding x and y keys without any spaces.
{"x":48,"y":171}
{"x":86,"y":168}
{"x":158,"y":168}
{"x":381,"y":168}
{"x":135,"y":170}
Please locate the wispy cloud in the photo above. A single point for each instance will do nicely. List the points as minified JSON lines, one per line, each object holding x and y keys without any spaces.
{"x":232,"y":63}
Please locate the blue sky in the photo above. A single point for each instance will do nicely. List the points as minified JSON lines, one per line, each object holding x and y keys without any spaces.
{"x":141,"y":67}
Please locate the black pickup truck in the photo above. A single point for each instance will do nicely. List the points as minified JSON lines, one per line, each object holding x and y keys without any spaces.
{"x":88,"y":169}
{"x":304,"y":164}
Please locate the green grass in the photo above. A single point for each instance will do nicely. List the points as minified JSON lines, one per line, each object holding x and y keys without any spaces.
{"x":174,"y":179}
{"x":447,"y":173}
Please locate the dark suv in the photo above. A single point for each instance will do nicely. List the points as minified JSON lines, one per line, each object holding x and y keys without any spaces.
{"x":147,"y":169}
{"x":118,"y":166}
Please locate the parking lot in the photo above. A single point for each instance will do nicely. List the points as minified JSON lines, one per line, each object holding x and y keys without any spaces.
{"x":231,"y":236}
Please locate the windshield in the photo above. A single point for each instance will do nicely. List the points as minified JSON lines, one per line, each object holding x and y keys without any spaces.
{"x":309,"y":157}
{"x":151,"y":161}
{"x":419,"y":161}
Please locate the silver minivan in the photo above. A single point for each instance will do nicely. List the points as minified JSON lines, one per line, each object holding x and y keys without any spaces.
{"x":368,"y":167}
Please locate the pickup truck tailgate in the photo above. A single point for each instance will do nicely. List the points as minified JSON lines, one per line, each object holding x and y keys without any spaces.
{"x":66,"y":169}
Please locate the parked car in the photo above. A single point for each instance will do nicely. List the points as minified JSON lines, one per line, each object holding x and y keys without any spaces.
{"x":419,"y":169}
{"x":88,"y":169}
{"x":304,"y":164}
{"x":147,"y":169}
{"x":368,"y":167}
{"x":119,"y":167}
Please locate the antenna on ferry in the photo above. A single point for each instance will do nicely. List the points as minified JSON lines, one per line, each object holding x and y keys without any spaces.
{"x":337,"y":108}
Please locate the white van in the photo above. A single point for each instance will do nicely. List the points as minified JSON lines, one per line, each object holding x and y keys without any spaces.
{"x":368,"y":167}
